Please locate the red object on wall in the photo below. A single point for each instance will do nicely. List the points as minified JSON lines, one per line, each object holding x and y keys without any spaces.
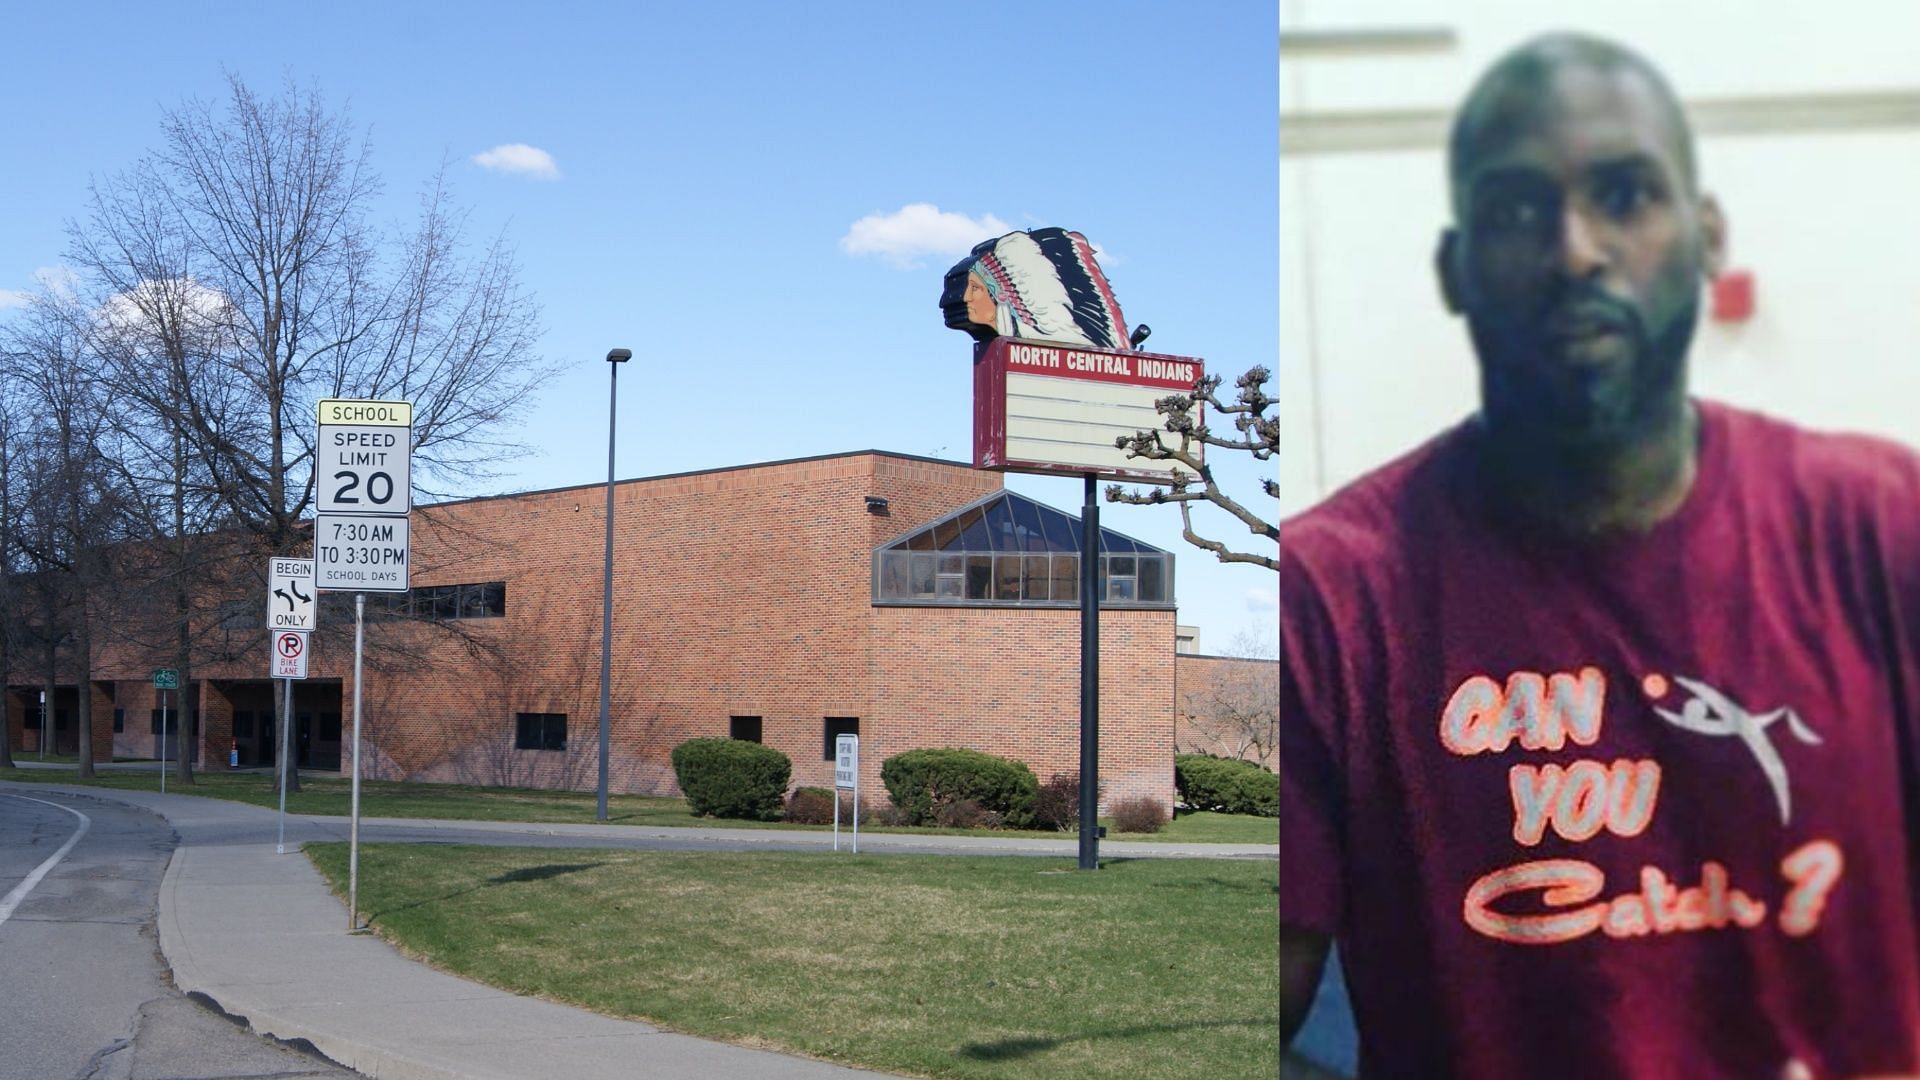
{"x":1733,"y":296}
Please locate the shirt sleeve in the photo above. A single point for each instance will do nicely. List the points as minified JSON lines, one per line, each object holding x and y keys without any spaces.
{"x":1312,"y":758}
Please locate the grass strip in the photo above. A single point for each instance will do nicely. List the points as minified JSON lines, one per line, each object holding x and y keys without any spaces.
{"x":462,"y":802}
{"x":942,"y":966}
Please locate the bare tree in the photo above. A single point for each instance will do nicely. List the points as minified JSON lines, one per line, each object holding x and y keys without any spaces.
{"x":252,"y":286}
{"x":1236,"y":712}
{"x":1193,"y":478}
{"x":71,"y":492}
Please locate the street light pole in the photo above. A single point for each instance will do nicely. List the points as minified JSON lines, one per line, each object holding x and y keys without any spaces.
{"x":615,"y":358}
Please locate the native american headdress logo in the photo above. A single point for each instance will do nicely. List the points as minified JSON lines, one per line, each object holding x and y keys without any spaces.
{"x":1042,"y":284}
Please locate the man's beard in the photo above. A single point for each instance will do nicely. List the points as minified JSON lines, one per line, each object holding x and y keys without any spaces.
{"x":1547,"y":392}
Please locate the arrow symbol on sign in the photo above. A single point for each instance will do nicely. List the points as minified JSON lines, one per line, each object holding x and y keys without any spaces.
{"x":282,"y":594}
{"x":294,"y":587}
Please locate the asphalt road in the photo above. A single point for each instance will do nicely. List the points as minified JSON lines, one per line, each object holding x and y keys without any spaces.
{"x":86,"y":991}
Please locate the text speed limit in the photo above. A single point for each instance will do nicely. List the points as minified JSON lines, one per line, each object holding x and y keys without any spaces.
{"x":364,"y":470}
{"x":357,"y":553}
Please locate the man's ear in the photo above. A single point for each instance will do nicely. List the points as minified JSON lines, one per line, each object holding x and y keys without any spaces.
{"x":1446,"y":267}
{"x":1713,"y":237}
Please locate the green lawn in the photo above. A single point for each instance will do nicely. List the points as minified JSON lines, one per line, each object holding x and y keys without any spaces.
{"x":944,"y":966}
{"x":386,"y":798}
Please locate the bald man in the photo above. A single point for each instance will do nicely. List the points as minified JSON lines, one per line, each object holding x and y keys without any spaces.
{"x":1600,"y":712}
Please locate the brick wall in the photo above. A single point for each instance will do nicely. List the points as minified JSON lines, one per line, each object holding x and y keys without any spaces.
{"x":739,"y":592}
{"x":1228,"y":706}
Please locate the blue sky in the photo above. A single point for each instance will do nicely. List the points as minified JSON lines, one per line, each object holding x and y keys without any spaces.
{"x":708,"y":164}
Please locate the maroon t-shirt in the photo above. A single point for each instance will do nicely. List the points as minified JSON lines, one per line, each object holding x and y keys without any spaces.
{"x":1644,"y":807}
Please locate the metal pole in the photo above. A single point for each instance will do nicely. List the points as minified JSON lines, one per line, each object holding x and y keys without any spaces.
{"x":353,"y":830}
{"x":606,"y":602}
{"x":163,"y":742}
{"x":286,"y":759}
{"x":1090,"y":681}
{"x":856,"y":800}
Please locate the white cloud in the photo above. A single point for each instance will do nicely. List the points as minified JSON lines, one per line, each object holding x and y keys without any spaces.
{"x":58,"y":280}
{"x":917,"y":230}
{"x":519,"y":158}
{"x":1261,"y":601}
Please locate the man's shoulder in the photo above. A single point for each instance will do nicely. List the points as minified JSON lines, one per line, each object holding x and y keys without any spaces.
{"x":1821,"y":465}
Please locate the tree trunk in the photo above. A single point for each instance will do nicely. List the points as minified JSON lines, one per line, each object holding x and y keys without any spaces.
{"x":83,"y":709}
{"x":183,"y":615}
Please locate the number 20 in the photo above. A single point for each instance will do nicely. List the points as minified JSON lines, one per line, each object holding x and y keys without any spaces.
{"x":344,"y":494}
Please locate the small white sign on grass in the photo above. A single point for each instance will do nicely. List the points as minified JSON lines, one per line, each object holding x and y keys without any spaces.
{"x":846,"y":777}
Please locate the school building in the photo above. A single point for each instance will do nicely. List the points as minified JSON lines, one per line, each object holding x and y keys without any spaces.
{"x":913,"y":601}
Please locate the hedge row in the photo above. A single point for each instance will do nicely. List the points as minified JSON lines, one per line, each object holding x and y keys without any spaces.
{"x":1227,"y":785}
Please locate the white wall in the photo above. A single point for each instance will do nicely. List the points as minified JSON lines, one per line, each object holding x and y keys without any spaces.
{"x":1826,"y":219}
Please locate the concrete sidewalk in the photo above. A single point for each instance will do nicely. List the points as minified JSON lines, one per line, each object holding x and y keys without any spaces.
{"x":262,"y":935}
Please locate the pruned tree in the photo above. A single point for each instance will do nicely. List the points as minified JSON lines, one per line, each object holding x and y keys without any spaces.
{"x":1193,"y":476}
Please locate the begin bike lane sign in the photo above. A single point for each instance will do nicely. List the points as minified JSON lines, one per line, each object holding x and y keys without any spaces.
{"x":363,"y":479}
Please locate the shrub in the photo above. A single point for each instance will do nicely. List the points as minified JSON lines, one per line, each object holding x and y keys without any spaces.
{"x":1227,"y":785}
{"x":890,"y":815}
{"x":1143,"y":814}
{"x":732,"y":778}
{"x":811,"y":806}
{"x":923,"y":781}
{"x":960,"y":814}
{"x":814,"y":806}
{"x":1056,"y":805}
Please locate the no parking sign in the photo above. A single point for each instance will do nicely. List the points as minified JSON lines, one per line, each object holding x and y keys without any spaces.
{"x":289,"y":655}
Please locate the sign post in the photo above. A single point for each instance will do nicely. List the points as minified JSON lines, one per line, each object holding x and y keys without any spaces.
{"x":290,"y":621}
{"x":363,"y":475}
{"x":846,"y":775}
{"x":164,"y":679}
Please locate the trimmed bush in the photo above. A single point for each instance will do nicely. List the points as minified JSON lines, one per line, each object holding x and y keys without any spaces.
{"x":733,"y":778}
{"x":922,"y":782}
{"x":811,"y":806}
{"x":814,"y":806}
{"x":1227,"y":785}
{"x":1143,"y":814}
{"x":1057,"y":804}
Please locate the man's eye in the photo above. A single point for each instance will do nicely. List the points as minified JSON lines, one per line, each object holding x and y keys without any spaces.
{"x":1513,"y":215}
{"x":1622,"y":198}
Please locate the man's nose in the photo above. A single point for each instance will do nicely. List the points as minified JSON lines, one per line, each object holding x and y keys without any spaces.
{"x":1581,"y":253}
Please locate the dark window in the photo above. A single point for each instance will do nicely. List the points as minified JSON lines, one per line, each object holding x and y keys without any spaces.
{"x":32,"y":721}
{"x":541,"y":731}
{"x":485,"y":600}
{"x":833,"y":728}
{"x":119,"y":721}
{"x":1008,"y":550}
{"x":745,"y":728}
{"x":173,"y":720}
{"x":329,"y":727}
{"x":242,"y":725}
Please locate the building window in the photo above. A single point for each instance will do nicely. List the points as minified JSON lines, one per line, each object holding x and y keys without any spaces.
{"x":242,"y":725}
{"x":541,"y":731}
{"x":119,"y":721}
{"x":744,"y":728}
{"x":32,"y":720}
{"x":173,"y":721}
{"x":832,"y":729}
{"x":1007,"y":550}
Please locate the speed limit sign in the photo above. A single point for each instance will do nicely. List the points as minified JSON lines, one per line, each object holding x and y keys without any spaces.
{"x":364,"y":461}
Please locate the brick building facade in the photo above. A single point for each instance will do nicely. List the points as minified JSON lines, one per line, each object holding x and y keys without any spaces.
{"x":782,"y":601}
